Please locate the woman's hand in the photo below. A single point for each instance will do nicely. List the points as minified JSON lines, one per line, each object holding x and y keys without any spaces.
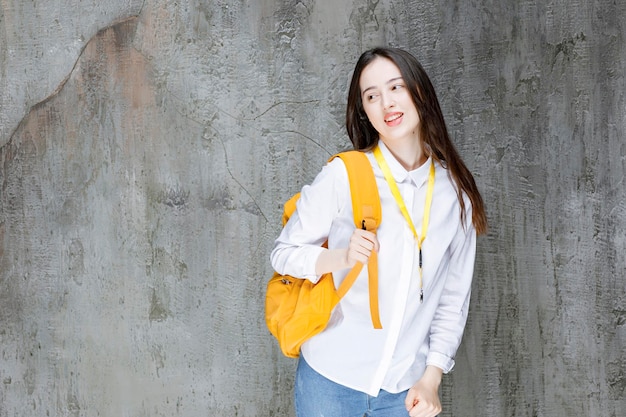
{"x":360,"y":247}
{"x":422,"y":400}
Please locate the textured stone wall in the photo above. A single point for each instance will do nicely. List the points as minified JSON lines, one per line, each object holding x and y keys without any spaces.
{"x":146,"y":148}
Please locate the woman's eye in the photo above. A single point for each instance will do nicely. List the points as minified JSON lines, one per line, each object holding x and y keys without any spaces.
{"x":397,"y":87}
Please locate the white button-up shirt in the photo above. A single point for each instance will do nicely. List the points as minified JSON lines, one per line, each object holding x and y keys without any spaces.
{"x":350,"y":351}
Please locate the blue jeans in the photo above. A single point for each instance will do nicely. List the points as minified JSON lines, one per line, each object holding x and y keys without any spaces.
{"x":316,"y":396}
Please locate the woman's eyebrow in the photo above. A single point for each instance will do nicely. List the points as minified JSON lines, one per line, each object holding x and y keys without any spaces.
{"x":393,"y":80}
{"x":367,"y":89}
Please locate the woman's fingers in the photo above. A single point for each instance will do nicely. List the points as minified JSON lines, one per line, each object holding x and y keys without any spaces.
{"x":361,"y":245}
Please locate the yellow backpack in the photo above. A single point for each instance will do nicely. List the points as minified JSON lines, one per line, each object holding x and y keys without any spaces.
{"x":296,"y":309}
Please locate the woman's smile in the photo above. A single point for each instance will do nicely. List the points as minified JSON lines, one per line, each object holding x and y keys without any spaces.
{"x":393,"y":119}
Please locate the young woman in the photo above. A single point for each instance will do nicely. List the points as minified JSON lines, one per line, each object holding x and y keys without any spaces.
{"x":425,"y":256}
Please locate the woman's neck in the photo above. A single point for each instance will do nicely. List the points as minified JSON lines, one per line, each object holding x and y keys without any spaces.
{"x":408,"y":153}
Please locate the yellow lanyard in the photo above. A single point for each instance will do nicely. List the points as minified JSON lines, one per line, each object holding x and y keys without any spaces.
{"x":398,"y":197}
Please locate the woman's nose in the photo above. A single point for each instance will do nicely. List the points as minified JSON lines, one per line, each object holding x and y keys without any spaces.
{"x":388,"y":102}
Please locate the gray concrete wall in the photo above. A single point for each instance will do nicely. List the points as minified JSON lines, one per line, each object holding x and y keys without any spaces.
{"x":146,"y":148}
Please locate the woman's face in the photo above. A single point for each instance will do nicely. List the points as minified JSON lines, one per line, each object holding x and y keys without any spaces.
{"x":387,"y":102}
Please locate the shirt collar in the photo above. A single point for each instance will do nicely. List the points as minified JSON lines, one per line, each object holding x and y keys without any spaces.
{"x":418,"y":176}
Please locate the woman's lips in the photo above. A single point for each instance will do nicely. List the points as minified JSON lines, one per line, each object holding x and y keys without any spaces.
{"x":393,"y":119}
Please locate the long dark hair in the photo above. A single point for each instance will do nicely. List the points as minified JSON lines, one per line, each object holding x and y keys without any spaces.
{"x":432,"y":128}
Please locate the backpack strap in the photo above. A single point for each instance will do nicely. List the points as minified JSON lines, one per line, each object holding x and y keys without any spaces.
{"x":367,"y":215}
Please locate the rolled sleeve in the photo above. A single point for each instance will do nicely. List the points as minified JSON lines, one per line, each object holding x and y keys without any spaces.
{"x":451,"y":315}
{"x":441,"y":361}
{"x":296,"y":261}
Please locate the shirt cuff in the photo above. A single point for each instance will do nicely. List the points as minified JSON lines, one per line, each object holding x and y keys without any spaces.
{"x":309,"y":262}
{"x":441,"y":361}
